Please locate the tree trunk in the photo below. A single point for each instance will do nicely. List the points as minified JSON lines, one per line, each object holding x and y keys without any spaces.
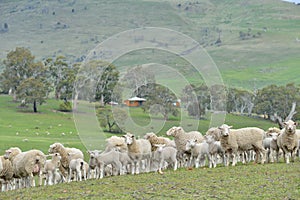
{"x":289,"y":117}
{"x":34,"y":106}
{"x":75,"y":101}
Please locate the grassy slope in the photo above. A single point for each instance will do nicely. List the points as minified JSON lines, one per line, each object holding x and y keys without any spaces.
{"x":271,"y":58}
{"x":270,"y":181}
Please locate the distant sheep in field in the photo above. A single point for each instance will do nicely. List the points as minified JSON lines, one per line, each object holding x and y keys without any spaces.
{"x":244,"y":139}
{"x":63,"y":151}
{"x":288,"y":141}
{"x":138,"y":150}
{"x":181,"y":137}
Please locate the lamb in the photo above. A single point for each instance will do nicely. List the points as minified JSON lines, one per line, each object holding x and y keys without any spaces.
{"x":78,"y":168}
{"x":181,"y":138}
{"x":288,"y":141}
{"x":63,"y":151}
{"x":51,"y":170}
{"x":6,"y":174}
{"x":199,"y":152}
{"x":138,"y":150}
{"x":244,"y":139}
{"x":154,"y":139}
{"x":93,"y":164}
{"x":215,"y":149}
{"x":270,"y":143}
{"x":100,"y":160}
{"x":164,"y":154}
{"x":27,"y":164}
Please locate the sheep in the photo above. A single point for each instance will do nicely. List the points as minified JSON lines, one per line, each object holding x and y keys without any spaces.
{"x":243,"y":139}
{"x":288,"y":141}
{"x":115,"y":141}
{"x":27,"y":164}
{"x":138,"y":150}
{"x":93,"y":165}
{"x":199,"y":152}
{"x":6,"y":174}
{"x":164,"y":154}
{"x":78,"y":167}
{"x":154,"y":139}
{"x":181,"y":138}
{"x":51,"y":170}
{"x":106,"y":158}
{"x":215,"y":133}
{"x":270,"y":143}
{"x":215,"y":149}
{"x":63,"y":151}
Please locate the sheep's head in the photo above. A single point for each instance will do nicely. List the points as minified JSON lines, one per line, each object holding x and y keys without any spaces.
{"x":225,"y":130}
{"x":290,"y":126}
{"x":160,"y":147}
{"x":190,"y":144}
{"x":174,"y":131}
{"x":149,"y":135}
{"x":209,"y":139}
{"x":274,"y":136}
{"x":55,"y":148}
{"x":12,"y":152}
{"x":129,"y":138}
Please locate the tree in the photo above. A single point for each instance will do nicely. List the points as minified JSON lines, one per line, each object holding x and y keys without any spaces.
{"x":16,"y":70}
{"x":161,"y":101}
{"x":112,"y":120}
{"x":239,"y":100}
{"x":27,"y":79}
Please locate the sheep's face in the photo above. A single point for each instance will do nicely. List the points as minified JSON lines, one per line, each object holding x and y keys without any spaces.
{"x":290,"y":126}
{"x":56,"y":156}
{"x":160,"y":147}
{"x":274,"y":136}
{"x":129,"y":139}
{"x":54,"y":148}
{"x":190,"y":144}
{"x":209,"y":139}
{"x":11,"y":152}
{"x":225,"y":130}
{"x":174,"y":131}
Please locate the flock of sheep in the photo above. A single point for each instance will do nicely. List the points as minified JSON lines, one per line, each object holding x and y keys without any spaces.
{"x":130,"y":155}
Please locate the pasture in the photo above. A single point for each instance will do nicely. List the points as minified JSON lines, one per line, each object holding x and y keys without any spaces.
{"x":269,"y":181}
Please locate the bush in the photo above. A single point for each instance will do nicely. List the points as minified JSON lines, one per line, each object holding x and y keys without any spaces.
{"x":65,"y":107}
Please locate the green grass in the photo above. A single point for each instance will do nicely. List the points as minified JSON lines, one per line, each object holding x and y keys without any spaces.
{"x":269,"y":181}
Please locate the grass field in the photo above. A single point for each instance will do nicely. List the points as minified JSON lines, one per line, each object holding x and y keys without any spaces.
{"x":269,"y":181}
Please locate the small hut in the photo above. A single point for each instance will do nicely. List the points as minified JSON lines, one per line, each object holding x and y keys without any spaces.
{"x":134,"y":101}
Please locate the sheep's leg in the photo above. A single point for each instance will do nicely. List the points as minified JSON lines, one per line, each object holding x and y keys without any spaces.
{"x":175,"y":164}
{"x":234,"y":159}
{"x":70,"y":175}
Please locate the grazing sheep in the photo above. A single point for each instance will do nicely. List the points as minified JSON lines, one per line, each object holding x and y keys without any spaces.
{"x":77,"y":167}
{"x":27,"y":164}
{"x":138,"y":150}
{"x":199,"y":152}
{"x":215,"y":149}
{"x":164,"y":154}
{"x":63,"y":151}
{"x":181,"y":138}
{"x":51,"y":170}
{"x":154,"y":139}
{"x":244,"y":139}
{"x":6,"y":174}
{"x":288,"y":141}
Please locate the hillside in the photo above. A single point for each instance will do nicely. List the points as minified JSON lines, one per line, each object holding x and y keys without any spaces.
{"x":253,"y":43}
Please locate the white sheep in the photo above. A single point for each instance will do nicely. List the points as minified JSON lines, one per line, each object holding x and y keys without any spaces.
{"x":116,"y":142}
{"x":51,"y":170}
{"x":270,"y":144}
{"x":138,"y":150}
{"x":288,"y":141}
{"x":199,"y":152}
{"x":215,"y":149}
{"x":164,"y":154}
{"x":6,"y":174}
{"x":241,"y":140}
{"x":154,"y":139}
{"x":77,"y":169}
{"x":93,"y":164}
{"x":27,"y":164}
{"x":181,"y":138}
{"x":63,"y":151}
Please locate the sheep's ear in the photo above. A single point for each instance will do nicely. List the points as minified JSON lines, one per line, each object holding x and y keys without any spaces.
{"x":230,"y":126}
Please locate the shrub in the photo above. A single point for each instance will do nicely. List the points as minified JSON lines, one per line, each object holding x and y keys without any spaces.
{"x":66,"y":106}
